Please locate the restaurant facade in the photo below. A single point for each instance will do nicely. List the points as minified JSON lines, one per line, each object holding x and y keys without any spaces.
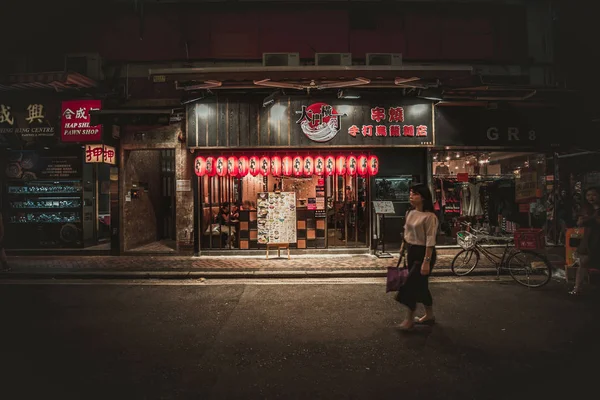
{"x":304,"y":170}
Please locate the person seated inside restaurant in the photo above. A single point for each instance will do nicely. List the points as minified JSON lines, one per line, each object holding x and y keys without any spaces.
{"x":234,"y":224}
{"x":222,"y":219}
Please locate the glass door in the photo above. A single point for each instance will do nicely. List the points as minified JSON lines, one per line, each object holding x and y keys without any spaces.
{"x":347,"y":222}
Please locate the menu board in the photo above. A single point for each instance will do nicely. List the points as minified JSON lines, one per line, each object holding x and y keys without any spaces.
{"x":276,"y":217}
{"x":383,"y":207}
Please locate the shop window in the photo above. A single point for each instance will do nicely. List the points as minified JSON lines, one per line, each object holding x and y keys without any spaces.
{"x":331,"y":211}
{"x":497,"y":192}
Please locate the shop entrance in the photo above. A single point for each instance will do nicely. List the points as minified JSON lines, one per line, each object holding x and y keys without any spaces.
{"x":329,"y":211}
{"x":347,"y":218}
{"x":149,"y":207}
{"x":99,"y":185}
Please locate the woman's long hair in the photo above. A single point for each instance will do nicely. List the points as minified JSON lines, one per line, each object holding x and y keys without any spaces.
{"x":425,"y":194}
{"x":586,"y":207}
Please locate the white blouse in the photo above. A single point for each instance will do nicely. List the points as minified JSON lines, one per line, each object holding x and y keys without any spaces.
{"x":420,"y":228}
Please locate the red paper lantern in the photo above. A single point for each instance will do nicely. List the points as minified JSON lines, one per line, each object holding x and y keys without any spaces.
{"x":373,"y":165}
{"x":243,"y":166}
{"x":200,"y":166}
{"x":264,"y":166}
{"x":221,"y":166}
{"x":232,"y":166}
{"x":254,"y":166}
{"x":276,"y":166}
{"x":210,"y":166}
{"x":363,"y":165}
{"x":340,"y":165}
{"x":319,"y":166}
{"x":297,"y":166}
{"x":309,"y":166}
{"x":329,"y":165}
{"x":351,"y":165}
{"x":286,"y":166}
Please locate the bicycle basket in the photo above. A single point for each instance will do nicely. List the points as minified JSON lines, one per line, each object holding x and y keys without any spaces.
{"x":465,"y":239}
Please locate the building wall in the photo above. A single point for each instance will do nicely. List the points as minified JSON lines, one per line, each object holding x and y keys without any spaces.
{"x":421,"y":32}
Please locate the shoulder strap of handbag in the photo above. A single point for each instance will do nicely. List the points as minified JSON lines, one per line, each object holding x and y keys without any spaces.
{"x":403,"y":244}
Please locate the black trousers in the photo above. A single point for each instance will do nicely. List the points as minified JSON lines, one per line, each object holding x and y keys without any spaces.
{"x":416,"y":288}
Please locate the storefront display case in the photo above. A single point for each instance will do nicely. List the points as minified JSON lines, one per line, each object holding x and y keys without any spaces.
{"x":495,"y":191}
{"x":47,"y":213}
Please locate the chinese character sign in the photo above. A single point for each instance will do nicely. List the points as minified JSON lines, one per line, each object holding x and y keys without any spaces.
{"x":75,"y":121}
{"x":94,"y":153}
{"x":28,"y":120}
{"x":109,"y":155}
{"x":98,"y":153}
{"x":399,"y":127}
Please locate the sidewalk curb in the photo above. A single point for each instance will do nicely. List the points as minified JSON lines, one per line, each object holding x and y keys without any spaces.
{"x":179,"y":275}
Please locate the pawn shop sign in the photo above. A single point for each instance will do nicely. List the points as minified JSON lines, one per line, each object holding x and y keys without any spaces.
{"x":75,"y":121}
{"x":98,"y":153}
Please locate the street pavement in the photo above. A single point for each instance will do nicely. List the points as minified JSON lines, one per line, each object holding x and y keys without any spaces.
{"x":214,"y":267}
{"x":292,"y":339}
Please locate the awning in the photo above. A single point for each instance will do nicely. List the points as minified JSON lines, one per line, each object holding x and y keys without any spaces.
{"x":57,"y":81}
{"x":133,"y":116}
{"x":311,"y":77}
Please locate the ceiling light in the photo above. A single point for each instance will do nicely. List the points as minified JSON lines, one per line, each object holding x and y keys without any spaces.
{"x":192,"y":98}
{"x":348,"y":94}
{"x":270,"y":99}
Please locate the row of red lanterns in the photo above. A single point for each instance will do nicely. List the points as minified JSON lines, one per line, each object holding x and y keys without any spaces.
{"x":298,"y":166}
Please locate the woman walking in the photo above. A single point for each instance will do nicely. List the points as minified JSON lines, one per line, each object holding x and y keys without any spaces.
{"x":589,"y":248}
{"x":420,"y":230}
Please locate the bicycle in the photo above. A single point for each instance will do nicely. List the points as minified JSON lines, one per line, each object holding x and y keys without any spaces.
{"x":510,"y":259}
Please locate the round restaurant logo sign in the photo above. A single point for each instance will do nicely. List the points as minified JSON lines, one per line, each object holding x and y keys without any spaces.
{"x":320,"y":122}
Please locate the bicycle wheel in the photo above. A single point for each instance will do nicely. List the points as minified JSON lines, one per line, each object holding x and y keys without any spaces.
{"x":529,"y":268}
{"x":465,"y":262}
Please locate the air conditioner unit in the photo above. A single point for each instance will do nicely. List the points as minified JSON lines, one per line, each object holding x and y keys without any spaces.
{"x":384,"y":59}
{"x":281,"y":59}
{"x":88,"y":64}
{"x":333,"y":59}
